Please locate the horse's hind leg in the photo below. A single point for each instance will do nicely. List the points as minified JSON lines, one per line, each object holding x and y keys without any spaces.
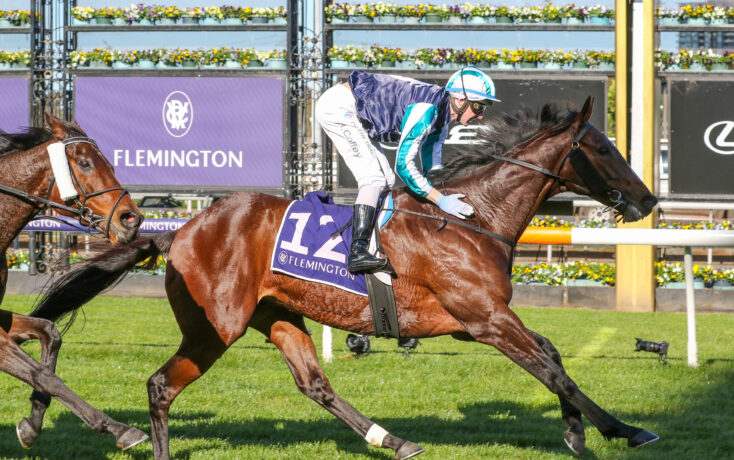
{"x":194,"y":357}
{"x":504,"y":331}
{"x":23,"y":328}
{"x":287,"y":331}
{"x":574,"y":436}
{"x":16,"y":362}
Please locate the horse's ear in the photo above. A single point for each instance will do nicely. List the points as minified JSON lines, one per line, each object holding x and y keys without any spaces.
{"x":76,"y":125}
{"x":57,"y":126}
{"x":586,"y":111}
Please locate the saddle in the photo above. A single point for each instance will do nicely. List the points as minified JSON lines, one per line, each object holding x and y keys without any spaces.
{"x":312,"y":245}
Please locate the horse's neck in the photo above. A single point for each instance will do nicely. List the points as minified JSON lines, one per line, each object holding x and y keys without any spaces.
{"x":29,"y":171}
{"x":510,"y":195}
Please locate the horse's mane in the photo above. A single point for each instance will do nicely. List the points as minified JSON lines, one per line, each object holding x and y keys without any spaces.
{"x":500,"y":134}
{"x":30,"y":137}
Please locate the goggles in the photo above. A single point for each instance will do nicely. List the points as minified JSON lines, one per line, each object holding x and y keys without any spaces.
{"x":479,"y":107}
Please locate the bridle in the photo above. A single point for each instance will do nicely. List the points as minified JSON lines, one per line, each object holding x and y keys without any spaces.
{"x":85,"y":214}
{"x":593,"y":183}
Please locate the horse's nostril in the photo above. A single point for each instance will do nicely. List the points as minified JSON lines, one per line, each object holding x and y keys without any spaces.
{"x":649,"y":201}
{"x":130,"y":220}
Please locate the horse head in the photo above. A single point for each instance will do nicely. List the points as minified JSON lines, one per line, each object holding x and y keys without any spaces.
{"x":102,"y":203}
{"x":593,"y":166}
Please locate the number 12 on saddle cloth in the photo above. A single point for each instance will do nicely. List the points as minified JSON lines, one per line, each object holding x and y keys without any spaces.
{"x":305,"y":248}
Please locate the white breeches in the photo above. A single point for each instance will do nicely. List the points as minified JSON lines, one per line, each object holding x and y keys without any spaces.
{"x":336,"y":112}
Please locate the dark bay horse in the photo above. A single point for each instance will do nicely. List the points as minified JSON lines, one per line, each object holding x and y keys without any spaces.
{"x":28,"y":186}
{"x":455,"y":281}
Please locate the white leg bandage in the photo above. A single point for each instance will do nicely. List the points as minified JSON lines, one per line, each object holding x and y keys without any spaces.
{"x":375,"y":435}
{"x":60,"y":166}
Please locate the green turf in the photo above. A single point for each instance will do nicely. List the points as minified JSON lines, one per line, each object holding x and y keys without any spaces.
{"x":458,"y":400}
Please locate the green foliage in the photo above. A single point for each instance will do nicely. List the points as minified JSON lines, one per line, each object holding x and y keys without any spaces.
{"x":612,"y":108}
{"x":458,"y":400}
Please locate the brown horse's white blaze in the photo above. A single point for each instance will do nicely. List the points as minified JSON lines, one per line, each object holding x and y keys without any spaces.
{"x":454,"y":282}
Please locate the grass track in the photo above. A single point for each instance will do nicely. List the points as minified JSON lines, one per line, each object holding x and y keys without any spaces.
{"x":458,"y":400}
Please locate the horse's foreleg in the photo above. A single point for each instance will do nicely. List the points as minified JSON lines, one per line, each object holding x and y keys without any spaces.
{"x":25,"y":328}
{"x":16,"y":362}
{"x":574,"y":435}
{"x":287,"y":331}
{"x":504,"y":331}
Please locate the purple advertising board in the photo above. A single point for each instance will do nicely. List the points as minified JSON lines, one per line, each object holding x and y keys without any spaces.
{"x":14,"y":106}
{"x":182,"y":131}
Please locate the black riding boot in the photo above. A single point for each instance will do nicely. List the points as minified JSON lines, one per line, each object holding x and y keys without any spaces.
{"x":360,"y":260}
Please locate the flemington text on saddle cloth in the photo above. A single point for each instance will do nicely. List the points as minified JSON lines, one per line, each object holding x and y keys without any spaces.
{"x":305,"y":248}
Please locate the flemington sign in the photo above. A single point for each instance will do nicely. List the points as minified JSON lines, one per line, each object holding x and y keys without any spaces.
{"x":190,"y":132}
{"x":701,"y":147}
{"x":14,"y":113}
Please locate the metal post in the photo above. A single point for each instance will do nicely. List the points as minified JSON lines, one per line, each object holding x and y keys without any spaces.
{"x":710,"y":251}
{"x":690,"y":308}
{"x":32,"y":269}
{"x":293,"y":84}
{"x":326,"y":345}
{"x":64,"y":241}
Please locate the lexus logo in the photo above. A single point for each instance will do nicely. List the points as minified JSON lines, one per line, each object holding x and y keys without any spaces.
{"x":719,"y":137}
{"x":178,"y":114}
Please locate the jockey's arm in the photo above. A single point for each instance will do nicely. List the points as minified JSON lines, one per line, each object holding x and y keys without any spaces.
{"x":417,"y":123}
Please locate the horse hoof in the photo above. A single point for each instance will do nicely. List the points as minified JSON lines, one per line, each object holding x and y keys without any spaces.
{"x":408,"y":450}
{"x":131,"y":437}
{"x":26,"y":434}
{"x":642,"y":438}
{"x":575,"y":441}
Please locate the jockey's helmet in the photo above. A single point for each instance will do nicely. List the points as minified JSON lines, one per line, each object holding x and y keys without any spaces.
{"x":472,"y":84}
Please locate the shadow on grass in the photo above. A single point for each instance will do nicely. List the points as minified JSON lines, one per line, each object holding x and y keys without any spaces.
{"x":498,"y":422}
{"x":502,"y":423}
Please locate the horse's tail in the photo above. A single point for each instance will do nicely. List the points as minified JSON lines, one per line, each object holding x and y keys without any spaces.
{"x":88,"y":279}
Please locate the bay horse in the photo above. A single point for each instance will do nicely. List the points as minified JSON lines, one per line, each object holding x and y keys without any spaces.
{"x":28,"y":185}
{"x":455,"y":281}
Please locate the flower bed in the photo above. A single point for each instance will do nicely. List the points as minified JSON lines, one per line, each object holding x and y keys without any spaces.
{"x":449,"y":58}
{"x":18,"y":60}
{"x":475,"y":13}
{"x":141,"y":14}
{"x":604,"y":274}
{"x":699,"y":60}
{"x":178,"y":58}
{"x":19,"y":260}
{"x":351,"y":56}
{"x":554,"y":222}
{"x":480,"y":13}
{"x":15,"y":18}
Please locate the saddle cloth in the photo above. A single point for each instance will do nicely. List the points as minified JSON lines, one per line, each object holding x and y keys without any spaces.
{"x":305,"y":248}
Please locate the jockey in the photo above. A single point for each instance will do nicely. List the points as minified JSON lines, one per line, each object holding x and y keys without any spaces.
{"x":371,"y":108}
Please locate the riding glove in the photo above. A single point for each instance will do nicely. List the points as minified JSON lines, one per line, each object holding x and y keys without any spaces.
{"x":451,"y":204}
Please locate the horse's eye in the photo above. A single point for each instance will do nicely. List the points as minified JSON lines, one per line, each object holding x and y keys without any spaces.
{"x":603,"y":150}
{"x":84,"y":164}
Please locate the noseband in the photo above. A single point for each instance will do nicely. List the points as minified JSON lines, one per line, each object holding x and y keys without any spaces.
{"x":593,"y":183}
{"x":84,"y":213}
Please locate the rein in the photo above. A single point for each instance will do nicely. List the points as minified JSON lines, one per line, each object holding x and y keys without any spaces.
{"x":445,"y":221}
{"x":86,"y":216}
